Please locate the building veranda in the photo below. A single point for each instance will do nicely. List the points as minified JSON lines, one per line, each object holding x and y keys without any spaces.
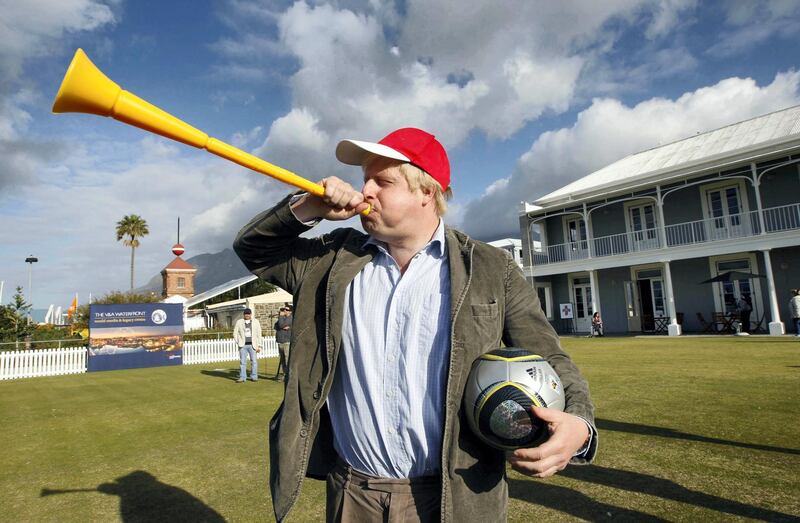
{"x":638,"y":239}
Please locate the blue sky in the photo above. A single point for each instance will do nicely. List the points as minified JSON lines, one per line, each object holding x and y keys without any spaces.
{"x":527,"y":96}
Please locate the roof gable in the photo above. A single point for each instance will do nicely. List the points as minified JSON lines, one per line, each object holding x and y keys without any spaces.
{"x":180,"y":263}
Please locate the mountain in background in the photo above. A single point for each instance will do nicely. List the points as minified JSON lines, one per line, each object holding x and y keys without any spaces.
{"x":212,"y":270}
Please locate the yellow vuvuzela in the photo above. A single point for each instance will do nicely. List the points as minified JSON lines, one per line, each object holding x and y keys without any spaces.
{"x":85,"y":89}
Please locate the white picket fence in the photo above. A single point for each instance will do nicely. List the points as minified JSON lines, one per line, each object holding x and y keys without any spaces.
{"x":72,"y":360}
{"x":210,"y":351}
{"x":42,"y":362}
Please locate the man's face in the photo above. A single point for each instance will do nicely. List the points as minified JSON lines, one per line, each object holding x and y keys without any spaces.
{"x":247,"y":316}
{"x":396,"y":210}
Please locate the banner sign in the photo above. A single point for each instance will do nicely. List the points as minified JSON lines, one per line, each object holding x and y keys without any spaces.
{"x":135,"y":335}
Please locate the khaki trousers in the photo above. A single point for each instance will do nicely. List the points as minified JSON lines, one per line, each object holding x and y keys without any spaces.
{"x":354,"y":497}
{"x":283,"y":353}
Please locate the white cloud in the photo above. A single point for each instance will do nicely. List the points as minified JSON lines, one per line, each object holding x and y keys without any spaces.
{"x":363,"y":68}
{"x":751,"y":22}
{"x":70,"y":226}
{"x":33,"y":27}
{"x":609,"y":130}
{"x":30,"y":29}
{"x":666,"y":15}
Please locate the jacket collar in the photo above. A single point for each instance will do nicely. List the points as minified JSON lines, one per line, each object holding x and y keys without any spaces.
{"x":459,"y":250}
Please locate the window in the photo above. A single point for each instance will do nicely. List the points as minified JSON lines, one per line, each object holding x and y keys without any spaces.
{"x":724,"y":203}
{"x":641,"y":223}
{"x":181,"y":282}
{"x":545,"y":293}
{"x":576,"y":232}
{"x":537,"y":237}
{"x":725,"y":210}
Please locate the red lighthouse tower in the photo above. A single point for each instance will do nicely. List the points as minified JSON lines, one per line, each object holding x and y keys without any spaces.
{"x":178,"y":276}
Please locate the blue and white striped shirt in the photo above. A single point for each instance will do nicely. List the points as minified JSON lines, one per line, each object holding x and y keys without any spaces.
{"x":387,"y":400}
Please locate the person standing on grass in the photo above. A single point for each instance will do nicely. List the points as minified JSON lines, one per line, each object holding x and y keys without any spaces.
{"x":283,"y":335}
{"x":247,"y":334}
{"x":794,"y":305}
{"x":387,"y":326}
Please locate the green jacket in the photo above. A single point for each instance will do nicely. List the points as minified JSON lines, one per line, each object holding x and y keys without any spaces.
{"x":492,"y":304}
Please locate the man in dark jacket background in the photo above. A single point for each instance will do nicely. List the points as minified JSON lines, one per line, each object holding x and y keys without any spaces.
{"x":283,"y":335}
{"x":387,"y":325}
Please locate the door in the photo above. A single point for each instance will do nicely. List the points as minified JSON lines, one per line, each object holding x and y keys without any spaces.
{"x":577,"y":245}
{"x":632,"y":306}
{"x":650,"y":286}
{"x":646,"y":303}
{"x":582,"y":294}
{"x":728,"y":293}
{"x":724,"y":207}
{"x":642,"y":220}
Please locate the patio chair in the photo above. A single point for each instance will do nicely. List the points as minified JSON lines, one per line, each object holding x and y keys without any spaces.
{"x":707,"y":327}
{"x":759,"y":325}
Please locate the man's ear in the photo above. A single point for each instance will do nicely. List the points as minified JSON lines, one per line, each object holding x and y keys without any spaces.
{"x":428,"y":195}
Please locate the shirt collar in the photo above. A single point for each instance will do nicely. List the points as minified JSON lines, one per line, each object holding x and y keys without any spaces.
{"x":437,"y":245}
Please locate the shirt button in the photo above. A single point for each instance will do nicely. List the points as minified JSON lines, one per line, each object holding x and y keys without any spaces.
{"x":390,"y":357}
{"x":391,"y":430}
{"x":303,"y":433}
{"x":316,"y":394}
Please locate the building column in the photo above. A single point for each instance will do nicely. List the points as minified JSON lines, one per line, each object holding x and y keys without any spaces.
{"x":589,"y":233}
{"x":595,"y":292}
{"x":756,"y":188}
{"x":662,"y":230}
{"x":776,"y":327}
{"x":673,"y":328}
{"x":527,"y":241}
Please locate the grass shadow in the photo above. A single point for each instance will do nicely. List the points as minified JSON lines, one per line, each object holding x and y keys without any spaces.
{"x":229,"y":374}
{"x":572,"y":502}
{"x":143,"y":498}
{"x":648,"y":430}
{"x":233,"y":374}
{"x":668,"y":489}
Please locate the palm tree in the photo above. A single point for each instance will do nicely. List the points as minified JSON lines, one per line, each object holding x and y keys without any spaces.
{"x":130,"y":228}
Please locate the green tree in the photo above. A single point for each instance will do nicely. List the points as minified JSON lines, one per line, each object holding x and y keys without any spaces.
{"x":14,"y":322}
{"x":129,"y":229}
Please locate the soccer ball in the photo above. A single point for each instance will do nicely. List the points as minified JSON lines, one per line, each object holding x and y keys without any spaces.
{"x":502,"y":388}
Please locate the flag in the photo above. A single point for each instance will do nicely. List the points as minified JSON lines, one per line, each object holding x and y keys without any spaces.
{"x":73,"y":308}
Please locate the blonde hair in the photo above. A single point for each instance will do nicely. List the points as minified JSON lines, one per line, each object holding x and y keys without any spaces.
{"x":418,"y":180}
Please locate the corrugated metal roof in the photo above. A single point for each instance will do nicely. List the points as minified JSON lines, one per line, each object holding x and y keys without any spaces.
{"x":768,"y":129}
{"x":219,"y":289}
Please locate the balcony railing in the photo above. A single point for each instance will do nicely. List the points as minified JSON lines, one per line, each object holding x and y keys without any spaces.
{"x":626,"y":242}
{"x":742,"y":225}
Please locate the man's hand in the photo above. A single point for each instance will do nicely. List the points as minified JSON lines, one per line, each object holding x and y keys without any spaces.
{"x":568,"y":433}
{"x":340,"y":202}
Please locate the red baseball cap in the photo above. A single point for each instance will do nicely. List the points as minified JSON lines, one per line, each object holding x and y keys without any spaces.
{"x":408,"y":144}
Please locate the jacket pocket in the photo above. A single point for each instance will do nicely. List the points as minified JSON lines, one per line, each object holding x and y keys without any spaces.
{"x":485,"y":309}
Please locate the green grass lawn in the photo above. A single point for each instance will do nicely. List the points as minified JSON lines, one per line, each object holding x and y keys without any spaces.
{"x":691,"y":429}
